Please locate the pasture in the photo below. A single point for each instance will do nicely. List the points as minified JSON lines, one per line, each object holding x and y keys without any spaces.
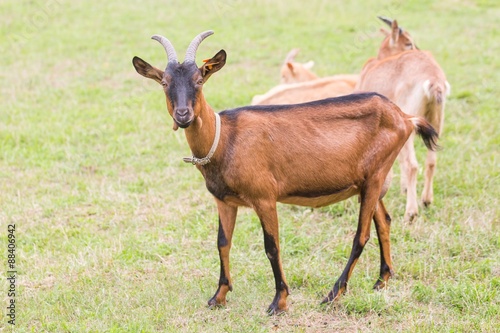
{"x":115,"y":233}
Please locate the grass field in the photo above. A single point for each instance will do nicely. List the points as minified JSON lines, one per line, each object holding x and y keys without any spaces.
{"x":115,"y":233}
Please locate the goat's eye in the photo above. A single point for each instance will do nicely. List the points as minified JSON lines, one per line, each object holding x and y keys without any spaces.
{"x":164,"y":83}
{"x":199,"y":82}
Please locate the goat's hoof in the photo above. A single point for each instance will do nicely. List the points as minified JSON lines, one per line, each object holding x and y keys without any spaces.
{"x":426,"y":202}
{"x":279,"y":305}
{"x":334,"y":295}
{"x":382,"y":280}
{"x":411,"y":217}
{"x":213,"y":303}
{"x":216,"y":306}
{"x":327,"y":300}
{"x":219,"y":299}
{"x":275,"y":310}
{"x":380,"y":284}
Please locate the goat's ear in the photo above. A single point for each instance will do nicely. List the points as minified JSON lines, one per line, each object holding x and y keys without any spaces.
{"x":385,"y":32}
{"x":394,"y":32}
{"x":290,"y":66}
{"x":291,"y":55}
{"x":309,"y":64}
{"x":147,"y":70}
{"x":213,"y":65}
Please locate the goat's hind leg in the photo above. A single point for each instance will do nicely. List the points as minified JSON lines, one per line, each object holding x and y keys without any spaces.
{"x":227,"y":220}
{"x":383,"y":225}
{"x":369,"y":198}
{"x":403,"y":174}
{"x":435,"y":115}
{"x":430,"y":167}
{"x":408,"y":158}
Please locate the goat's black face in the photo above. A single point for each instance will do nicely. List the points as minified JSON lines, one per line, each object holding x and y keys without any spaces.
{"x":182,"y":84}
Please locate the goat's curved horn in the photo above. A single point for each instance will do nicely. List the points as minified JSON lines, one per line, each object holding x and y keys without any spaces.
{"x":191,"y":50}
{"x":169,"y":48}
{"x":386,"y":20}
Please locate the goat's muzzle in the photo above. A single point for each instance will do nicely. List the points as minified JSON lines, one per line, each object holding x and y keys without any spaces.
{"x":183,"y":117}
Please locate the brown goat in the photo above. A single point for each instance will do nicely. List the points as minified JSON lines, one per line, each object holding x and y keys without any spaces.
{"x":312,"y":154}
{"x":416,"y":83}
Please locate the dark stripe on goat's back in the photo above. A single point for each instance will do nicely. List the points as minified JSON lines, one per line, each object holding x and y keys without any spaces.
{"x":232,"y":114}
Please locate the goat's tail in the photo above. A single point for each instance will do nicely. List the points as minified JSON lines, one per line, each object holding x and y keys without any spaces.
{"x":427,"y":132}
{"x":436,"y":91}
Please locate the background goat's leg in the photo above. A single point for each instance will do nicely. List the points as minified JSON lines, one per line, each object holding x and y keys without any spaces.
{"x":227,"y":219}
{"x":383,"y":225}
{"x":435,"y":115}
{"x":269,"y":220}
{"x":430,"y":166}
{"x":404,"y":173}
{"x":411,"y":168}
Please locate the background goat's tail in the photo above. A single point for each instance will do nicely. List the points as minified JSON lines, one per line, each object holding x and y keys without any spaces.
{"x":436,"y":91}
{"x":426,"y":131}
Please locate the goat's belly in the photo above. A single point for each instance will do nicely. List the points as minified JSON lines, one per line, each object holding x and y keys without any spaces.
{"x":319,"y":200}
{"x":235,"y":201}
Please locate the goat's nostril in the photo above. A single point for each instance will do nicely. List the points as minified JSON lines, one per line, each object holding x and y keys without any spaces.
{"x":182,"y":112}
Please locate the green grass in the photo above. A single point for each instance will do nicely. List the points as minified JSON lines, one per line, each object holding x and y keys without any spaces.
{"x":116,"y":234}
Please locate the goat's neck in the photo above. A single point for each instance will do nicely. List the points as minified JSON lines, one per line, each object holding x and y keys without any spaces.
{"x":383,"y":53}
{"x":384,"y":49}
{"x":201,"y":133}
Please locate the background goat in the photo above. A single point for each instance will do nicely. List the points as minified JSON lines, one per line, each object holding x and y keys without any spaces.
{"x":299,"y":84}
{"x":416,"y":83}
{"x":305,"y":91}
{"x":311,"y":154}
{"x":293,"y":72}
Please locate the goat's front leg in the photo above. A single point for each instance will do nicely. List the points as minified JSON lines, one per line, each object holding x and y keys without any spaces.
{"x":269,"y":220}
{"x":227,"y":220}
